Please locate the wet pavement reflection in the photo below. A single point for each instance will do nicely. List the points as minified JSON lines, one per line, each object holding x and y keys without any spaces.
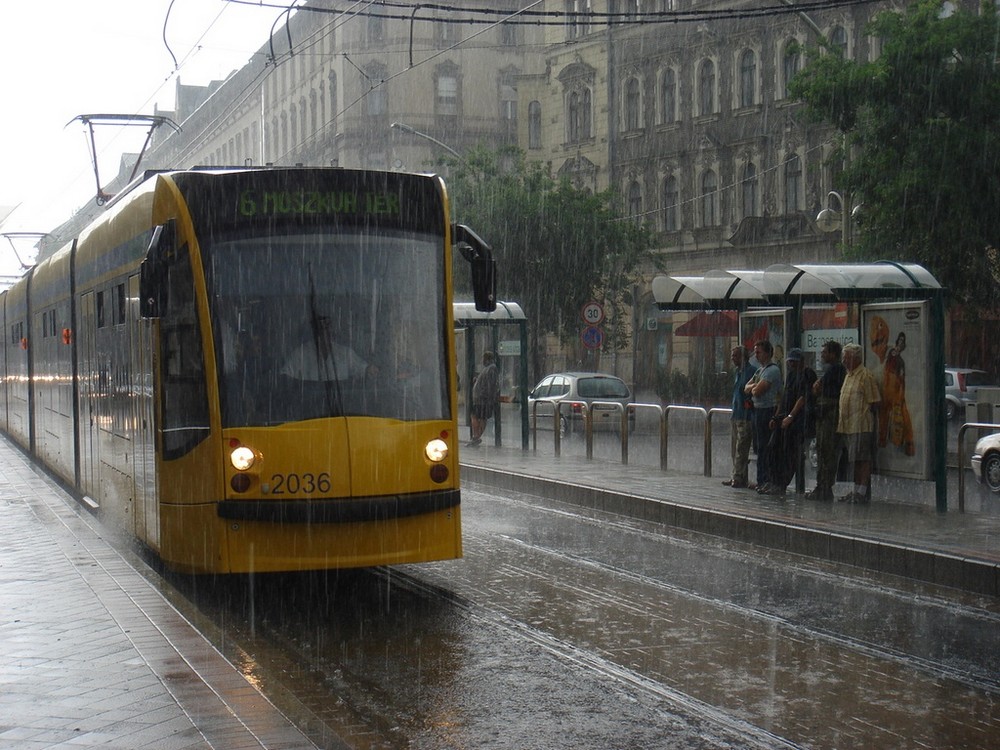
{"x":566,"y":628}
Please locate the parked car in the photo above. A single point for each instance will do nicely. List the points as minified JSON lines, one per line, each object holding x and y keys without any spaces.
{"x":986,"y":461}
{"x":587,"y":387}
{"x":961,"y":385}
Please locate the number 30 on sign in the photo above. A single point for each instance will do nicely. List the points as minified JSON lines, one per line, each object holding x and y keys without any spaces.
{"x":592,"y":313}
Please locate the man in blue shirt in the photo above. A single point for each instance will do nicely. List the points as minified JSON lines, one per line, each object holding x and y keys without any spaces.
{"x":742,"y":426}
{"x":765,"y":389}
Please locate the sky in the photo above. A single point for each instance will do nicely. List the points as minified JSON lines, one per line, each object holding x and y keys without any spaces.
{"x":64,"y":58}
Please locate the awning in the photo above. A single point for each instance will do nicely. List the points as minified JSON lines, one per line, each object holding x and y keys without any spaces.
{"x":721,"y":323}
{"x":779,"y":284}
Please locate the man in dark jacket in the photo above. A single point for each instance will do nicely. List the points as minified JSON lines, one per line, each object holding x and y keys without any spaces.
{"x":827,"y":392}
{"x":788,"y":426}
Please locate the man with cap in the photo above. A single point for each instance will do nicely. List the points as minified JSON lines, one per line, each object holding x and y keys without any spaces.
{"x":789,"y":426}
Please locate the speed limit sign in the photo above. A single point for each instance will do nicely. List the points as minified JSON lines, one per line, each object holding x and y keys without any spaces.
{"x":592,"y":313}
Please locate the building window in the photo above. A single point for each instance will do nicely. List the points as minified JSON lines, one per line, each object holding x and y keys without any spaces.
{"x":332,"y":88}
{"x":670,"y":201}
{"x":633,"y":103}
{"x":706,"y":87}
{"x":749,"y":192}
{"x":378,"y":98}
{"x":635,"y":201}
{"x":578,"y":115}
{"x":709,"y":199}
{"x":790,"y":63}
{"x":534,"y":124}
{"x":508,"y":34}
{"x":446,"y":33}
{"x":748,"y":79}
{"x":793,"y":185}
{"x":446,"y":101}
{"x":577,"y":18}
{"x":838,"y":39}
{"x":376,"y":29}
{"x":668,"y":97}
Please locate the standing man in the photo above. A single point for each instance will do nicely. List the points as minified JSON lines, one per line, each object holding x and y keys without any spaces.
{"x":764,"y":388}
{"x":485,"y":393}
{"x":827,"y":392}
{"x":859,"y":400}
{"x":742,"y":426}
{"x":788,"y":426}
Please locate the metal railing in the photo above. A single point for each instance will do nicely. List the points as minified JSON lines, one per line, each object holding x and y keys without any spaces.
{"x":627,"y":416}
{"x":962,"y":459}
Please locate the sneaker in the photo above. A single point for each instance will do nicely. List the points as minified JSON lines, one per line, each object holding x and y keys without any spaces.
{"x":774,"y":490}
{"x":474,"y":443}
{"x":848,"y":498}
{"x":735,"y":483}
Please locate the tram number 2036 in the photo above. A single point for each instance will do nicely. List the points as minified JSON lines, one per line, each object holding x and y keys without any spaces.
{"x":282,"y":484}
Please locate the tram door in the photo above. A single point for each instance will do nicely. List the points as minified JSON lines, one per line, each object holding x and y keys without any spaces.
{"x":147,"y":517}
{"x":89,"y":458}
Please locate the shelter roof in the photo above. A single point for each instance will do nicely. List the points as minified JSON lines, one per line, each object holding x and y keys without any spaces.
{"x":782,"y":285}
{"x":505,"y":311}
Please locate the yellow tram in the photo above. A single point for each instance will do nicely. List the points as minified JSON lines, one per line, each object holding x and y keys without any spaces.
{"x":253,"y":370}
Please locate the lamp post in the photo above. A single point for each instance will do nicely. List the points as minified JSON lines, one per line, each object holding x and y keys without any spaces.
{"x":831,"y":219}
{"x":404,"y":128}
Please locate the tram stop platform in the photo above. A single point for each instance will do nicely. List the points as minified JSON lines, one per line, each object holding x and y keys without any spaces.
{"x":92,"y":654}
{"x":896,"y":533}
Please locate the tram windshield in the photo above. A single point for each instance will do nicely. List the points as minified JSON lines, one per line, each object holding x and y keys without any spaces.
{"x":318,"y":325}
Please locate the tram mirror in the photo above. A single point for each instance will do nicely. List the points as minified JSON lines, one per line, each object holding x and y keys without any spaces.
{"x":153,"y":271}
{"x":483,"y":266}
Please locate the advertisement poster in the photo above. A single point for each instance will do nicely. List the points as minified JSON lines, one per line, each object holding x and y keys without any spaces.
{"x":756,"y":325}
{"x":897,"y":351}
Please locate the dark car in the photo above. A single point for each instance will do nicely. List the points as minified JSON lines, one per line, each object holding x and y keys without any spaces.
{"x":586,"y":387}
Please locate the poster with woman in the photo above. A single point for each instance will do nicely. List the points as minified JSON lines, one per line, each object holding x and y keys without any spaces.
{"x":896,"y":352}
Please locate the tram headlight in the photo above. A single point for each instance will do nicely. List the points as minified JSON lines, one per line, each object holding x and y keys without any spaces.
{"x":436,"y":450}
{"x":242,"y":458}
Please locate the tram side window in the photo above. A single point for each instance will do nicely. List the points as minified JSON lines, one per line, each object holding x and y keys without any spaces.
{"x":185,"y":401}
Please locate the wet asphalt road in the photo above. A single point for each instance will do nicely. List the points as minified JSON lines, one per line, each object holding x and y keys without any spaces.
{"x":564,"y":628}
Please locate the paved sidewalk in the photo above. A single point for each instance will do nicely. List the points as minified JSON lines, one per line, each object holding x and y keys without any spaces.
{"x":92,"y":655}
{"x":961,"y":550}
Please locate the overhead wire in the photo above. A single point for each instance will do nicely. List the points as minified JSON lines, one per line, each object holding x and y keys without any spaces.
{"x":559,"y":17}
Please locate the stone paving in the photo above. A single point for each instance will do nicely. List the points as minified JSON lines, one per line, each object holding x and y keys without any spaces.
{"x":92,"y":655}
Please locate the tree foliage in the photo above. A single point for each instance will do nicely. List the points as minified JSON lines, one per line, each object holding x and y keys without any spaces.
{"x":557,"y":247}
{"x":922,"y":141}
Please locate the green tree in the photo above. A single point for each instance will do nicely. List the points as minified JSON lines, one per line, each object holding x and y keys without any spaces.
{"x":920,"y":128}
{"x":557,"y":247}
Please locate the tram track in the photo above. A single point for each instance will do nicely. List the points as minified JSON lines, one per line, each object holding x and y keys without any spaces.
{"x":568,"y":629}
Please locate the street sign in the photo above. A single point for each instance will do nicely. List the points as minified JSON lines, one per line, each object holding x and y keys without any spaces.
{"x":592,"y":337}
{"x":592,"y":313}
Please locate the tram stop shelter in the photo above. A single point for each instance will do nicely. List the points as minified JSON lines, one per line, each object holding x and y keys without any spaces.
{"x":504,"y":332}
{"x":901,"y":300}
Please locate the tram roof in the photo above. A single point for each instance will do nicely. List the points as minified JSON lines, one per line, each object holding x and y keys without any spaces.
{"x":504,"y":311}
{"x":782,"y":285}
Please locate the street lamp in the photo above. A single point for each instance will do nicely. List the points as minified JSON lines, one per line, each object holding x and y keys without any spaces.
{"x":831,"y":219}
{"x":404,"y":128}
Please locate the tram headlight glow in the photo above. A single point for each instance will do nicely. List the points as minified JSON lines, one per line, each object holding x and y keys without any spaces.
{"x":436,"y":450}
{"x":242,"y":458}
